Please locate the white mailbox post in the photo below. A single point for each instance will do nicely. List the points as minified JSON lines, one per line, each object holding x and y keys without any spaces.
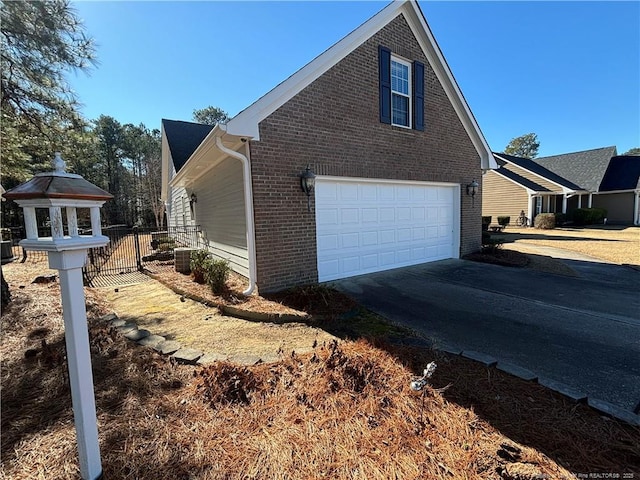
{"x":67,"y":249}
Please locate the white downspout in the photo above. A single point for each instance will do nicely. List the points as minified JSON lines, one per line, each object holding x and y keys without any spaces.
{"x":248,"y":210}
{"x":636,"y":209}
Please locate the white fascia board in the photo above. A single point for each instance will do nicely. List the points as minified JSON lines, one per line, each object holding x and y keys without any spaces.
{"x":631,"y":190}
{"x":245,"y":124}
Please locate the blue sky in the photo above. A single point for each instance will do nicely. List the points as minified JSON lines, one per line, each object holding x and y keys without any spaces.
{"x":568,"y":71}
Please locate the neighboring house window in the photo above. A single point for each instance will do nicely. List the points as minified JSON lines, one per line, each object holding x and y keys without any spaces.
{"x":538,"y":205}
{"x":401,"y":91}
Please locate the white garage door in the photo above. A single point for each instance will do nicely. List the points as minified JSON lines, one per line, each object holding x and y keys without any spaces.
{"x":366,"y":226}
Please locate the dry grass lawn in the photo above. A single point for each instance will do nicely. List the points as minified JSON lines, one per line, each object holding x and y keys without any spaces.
{"x":341,"y":411}
{"x":620,"y":245}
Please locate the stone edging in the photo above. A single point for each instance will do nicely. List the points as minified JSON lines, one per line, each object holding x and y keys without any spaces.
{"x":172,"y":348}
{"x":233,"y":311}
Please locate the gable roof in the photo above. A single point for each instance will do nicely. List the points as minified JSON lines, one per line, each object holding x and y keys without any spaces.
{"x":183,"y":138}
{"x":538,"y":169}
{"x":585,"y":168}
{"x":245,"y":123}
{"x":520,"y":180}
{"x":623,"y":173}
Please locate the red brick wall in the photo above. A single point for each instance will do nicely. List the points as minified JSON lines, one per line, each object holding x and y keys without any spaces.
{"x":333,"y":125}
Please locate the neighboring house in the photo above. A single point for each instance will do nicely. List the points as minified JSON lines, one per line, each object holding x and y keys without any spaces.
{"x":619,"y":190}
{"x":380,"y":120}
{"x":521,"y":184}
{"x":562,"y":183}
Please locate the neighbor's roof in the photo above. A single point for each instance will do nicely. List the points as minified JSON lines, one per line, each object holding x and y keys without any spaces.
{"x":245,"y":123}
{"x":519,"y":179}
{"x":540,"y":170}
{"x":585,"y":168}
{"x":183,"y":139}
{"x":623,"y":173}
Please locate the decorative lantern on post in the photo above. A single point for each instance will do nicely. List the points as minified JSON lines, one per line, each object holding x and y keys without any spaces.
{"x":67,"y":250}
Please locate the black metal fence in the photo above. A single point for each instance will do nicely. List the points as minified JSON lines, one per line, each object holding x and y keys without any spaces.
{"x":130,"y":249}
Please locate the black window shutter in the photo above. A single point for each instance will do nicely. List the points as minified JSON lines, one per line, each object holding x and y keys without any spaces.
{"x":384,"y":66}
{"x":418,"y":96}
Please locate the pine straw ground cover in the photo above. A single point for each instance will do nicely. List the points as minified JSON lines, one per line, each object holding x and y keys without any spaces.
{"x":343,"y":411}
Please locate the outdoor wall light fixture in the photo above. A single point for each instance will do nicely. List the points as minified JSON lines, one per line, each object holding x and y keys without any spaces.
{"x":307,"y":183}
{"x":472,"y":189}
{"x":193,"y":199}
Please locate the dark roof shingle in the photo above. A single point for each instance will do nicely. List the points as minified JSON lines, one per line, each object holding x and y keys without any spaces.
{"x":585,"y":168}
{"x":183,"y":139}
{"x":623,"y":174}
{"x":538,"y":169}
{"x":525,"y":182}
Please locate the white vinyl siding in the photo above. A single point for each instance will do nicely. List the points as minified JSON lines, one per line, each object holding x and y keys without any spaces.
{"x":178,"y":213}
{"x":365,"y":226}
{"x":220,"y":212}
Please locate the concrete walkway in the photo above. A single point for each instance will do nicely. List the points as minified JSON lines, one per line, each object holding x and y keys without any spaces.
{"x":578,"y":335}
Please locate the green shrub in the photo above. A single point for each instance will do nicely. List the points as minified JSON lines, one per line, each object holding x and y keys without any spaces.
{"x":217,"y":274}
{"x":486,"y":221}
{"x":589,"y":216}
{"x":561,"y":219}
{"x":545,"y":221}
{"x":199,"y":260}
{"x":166,"y":244}
{"x":504,"y":221}
{"x":492,"y":245}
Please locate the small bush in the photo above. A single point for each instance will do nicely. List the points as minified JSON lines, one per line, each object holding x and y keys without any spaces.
{"x":489,"y":244}
{"x":198,"y":263}
{"x":486,"y":221}
{"x":561,"y":219}
{"x":589,"y":216}
{"x":217,"y":274}
{"x":545,"y":221}
{"x":166,"y":244}
{"x":504,"y":221}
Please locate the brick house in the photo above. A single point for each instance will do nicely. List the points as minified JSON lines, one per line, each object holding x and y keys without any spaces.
{"x":380,"y":120}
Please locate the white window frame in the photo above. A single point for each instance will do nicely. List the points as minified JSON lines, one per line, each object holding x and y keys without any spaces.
{"x":408,"y":96}
{"x":538,"y":205}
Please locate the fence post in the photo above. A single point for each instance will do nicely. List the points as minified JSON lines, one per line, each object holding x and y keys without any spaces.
{"x":136,"y":238}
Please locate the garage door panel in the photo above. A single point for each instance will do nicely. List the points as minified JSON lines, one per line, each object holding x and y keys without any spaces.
{"x":349,"y":215}
{"x":349,"y":240}
{"x":419,"y":233}
{"x":368,"y":226}
{"x":403,"y":214}
{"x":404,"y":234}
{"x":369,"y":239}
{"x":387,"y":236}
{"x":327,"y":242}
{"x":348,"y":192}
{"x":327,"y":216}
{"x":369,"y":215}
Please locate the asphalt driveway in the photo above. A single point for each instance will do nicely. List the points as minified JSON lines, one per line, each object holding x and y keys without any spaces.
{"x":578,"y":335}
